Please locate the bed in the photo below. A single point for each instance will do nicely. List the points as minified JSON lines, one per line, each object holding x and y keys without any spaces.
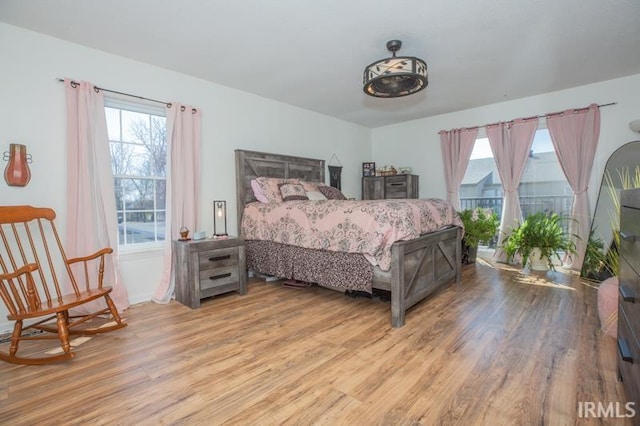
{"x":414,"y":269}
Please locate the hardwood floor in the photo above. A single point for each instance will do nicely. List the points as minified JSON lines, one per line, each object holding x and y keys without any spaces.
{"x":502,"y":347}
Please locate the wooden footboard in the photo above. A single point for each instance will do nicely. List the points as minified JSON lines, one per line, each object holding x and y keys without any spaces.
{"x":420,"y":267}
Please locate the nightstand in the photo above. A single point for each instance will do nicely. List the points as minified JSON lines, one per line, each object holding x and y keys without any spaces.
{"x":209,"y":267}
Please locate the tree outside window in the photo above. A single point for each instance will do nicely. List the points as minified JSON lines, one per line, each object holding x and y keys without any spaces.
{"x":138,"y":160}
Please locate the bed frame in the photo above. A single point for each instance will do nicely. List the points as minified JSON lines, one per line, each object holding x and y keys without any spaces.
{"x":419,"y":267}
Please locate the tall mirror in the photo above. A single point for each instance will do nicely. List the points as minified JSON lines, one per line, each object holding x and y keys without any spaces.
{"x":622,"y":171}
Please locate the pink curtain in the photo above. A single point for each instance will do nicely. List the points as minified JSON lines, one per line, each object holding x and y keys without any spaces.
{"x":183,"y":185}
{"x":511,"y":144}
{"x":457,"y":145}
{"x":91,"y":221}
{"x":575,"y":134}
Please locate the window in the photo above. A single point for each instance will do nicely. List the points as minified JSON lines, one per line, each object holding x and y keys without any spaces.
{"x":543,"y":186}
{"x":137,"y":138}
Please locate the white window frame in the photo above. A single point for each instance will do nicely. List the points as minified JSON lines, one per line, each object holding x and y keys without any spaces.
{"x":143,"y":107}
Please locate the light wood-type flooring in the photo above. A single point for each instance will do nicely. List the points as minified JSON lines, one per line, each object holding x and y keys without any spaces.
{"x":502,"y":348}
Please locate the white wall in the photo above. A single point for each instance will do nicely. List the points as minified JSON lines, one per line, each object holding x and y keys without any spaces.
{"x":417,"y":143}
{"x":32,"y":107}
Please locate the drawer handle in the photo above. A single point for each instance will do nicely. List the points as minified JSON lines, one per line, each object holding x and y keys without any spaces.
{"x":625,"y":352}
{"x":627,"y":237}
{"x":217,"y":277}
{"x":396,"y":184}
{"x":215,"y":259}
{"x":626,"y":294}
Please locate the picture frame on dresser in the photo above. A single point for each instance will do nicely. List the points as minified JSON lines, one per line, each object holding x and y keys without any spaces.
{"x":368,"y":169}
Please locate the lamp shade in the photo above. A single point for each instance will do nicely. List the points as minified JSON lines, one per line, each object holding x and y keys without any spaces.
{"x":395,"y":76}
{"x":219,"y":218}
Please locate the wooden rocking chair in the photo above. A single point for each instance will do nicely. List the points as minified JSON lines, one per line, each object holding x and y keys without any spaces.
{"x":33,"y":270}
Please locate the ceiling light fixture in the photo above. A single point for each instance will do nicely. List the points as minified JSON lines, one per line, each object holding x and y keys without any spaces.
{"x":396,"y":76}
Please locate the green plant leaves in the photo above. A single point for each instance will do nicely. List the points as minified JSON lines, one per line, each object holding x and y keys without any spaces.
{"x":479,"y":225}
{"x":540,"y":230}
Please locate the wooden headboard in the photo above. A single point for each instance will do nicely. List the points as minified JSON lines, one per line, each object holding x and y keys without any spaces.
{"x":251,"y":164}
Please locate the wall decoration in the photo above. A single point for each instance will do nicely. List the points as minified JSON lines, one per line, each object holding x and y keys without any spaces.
{"x":335,"y":176}
{"x":17,"y":172}
{"x":335,"y":172}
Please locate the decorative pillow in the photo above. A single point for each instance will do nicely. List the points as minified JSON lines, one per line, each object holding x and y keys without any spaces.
{"x":292,"y":191}
{"x":258,"y":192}
{"x":310,"y":186}
{"x":331,"y":193}
{"x":271,"y":188}
{"x":316,"y":196}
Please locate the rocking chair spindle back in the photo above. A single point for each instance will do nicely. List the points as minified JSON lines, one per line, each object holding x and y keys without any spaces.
{"x":39,"y":284}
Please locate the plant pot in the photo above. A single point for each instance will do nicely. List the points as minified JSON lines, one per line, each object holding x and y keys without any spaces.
{"x":537,"y":263}
{"x":468,"y":254}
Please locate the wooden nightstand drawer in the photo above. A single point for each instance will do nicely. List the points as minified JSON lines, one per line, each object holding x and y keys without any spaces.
{"x":398,"y":180}
{"x":631,"y":313}
{"x":219,"y":280}
{"x":207,"y":268}
{"x":218,"y":258}
{"x":628,"y":357}
{"x":629,"y":287}
{"x":630,"y":236}
{"x":396,"y":188}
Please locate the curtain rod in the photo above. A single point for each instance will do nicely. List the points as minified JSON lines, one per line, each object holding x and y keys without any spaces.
{"x":539,"y":116}
{"x":75,"y":84}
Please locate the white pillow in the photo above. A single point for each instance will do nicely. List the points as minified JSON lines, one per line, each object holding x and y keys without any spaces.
{"x":315,"y":196}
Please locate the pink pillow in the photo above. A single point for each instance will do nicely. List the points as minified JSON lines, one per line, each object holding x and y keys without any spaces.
{"x":258,"y":192}
{"x":271,"y":187}
{"x":608,"y":306}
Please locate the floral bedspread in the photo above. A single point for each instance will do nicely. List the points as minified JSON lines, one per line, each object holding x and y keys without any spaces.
{"x":367,"y":227}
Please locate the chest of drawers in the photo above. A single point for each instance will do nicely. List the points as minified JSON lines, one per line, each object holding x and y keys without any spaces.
{"x":629,"y":295}
{"x":389,"y":187}
{"x":207,"y":268}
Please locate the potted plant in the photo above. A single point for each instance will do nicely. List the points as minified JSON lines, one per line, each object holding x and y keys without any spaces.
{"x":537,"y":240}
{"x":598,"y":265}
{"x":479,"y":225}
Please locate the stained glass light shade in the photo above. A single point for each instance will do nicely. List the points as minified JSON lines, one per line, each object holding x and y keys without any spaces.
{"x":396,"y":76}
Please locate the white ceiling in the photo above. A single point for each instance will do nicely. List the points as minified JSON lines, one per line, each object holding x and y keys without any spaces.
{"x":312,"y":53}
